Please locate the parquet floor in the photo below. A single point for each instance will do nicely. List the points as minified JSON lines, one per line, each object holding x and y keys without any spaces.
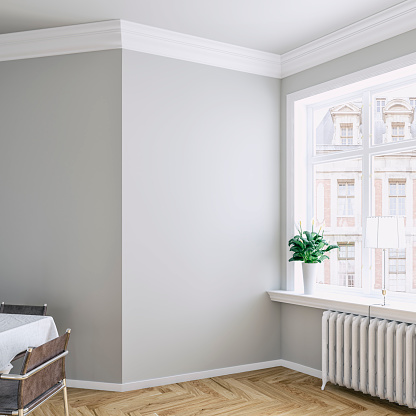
{"x":275,"y":391}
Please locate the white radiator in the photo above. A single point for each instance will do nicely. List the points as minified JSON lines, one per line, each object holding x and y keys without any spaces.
{"x":375,"y":356}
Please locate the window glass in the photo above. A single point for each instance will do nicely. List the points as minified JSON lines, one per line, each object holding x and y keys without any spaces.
{"x":394,"y":193}
{"x":346,"y":197}
{"x":397,"y":196}
{"x":346,"y":264}
{"x":355,"y":156}
{"x":396,"y":280}
{"x":338,"y":207}
{"x":393,"y":115}
{"x":337,"y":128}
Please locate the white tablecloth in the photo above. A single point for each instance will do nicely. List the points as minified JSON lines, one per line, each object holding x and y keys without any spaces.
{"x":18,"y":332}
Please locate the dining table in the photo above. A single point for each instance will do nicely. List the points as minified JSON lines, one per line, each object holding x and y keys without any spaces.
{"x":19,"y":332}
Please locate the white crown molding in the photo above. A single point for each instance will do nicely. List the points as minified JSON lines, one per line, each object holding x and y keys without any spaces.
{"x":116,"y":34}
{"x":119,"y":34}
{"x":163,"y":381}
{"x":381,"y":26}
{"x":64,"y":40}
{"x":152,"y":40}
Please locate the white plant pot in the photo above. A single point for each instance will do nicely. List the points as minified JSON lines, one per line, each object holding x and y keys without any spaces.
{"x":309,"y":271}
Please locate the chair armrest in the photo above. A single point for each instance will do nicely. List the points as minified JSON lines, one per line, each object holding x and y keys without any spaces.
{"x":34,"y":371}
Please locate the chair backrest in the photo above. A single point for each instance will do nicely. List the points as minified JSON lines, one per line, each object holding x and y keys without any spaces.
{"x":23,"y":309}
{"x":45,"y":379}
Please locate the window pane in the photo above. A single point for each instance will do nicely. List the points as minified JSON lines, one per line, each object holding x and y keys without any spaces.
{"x":342,"y":188}
{"x":339,"y":185}
{"x":350,"y":210}
{"x":337,"y":128}
{"x":392,"y":203}
{"x":401,"y":206}
{"x":394,"y":193}
{"x":393,"y":115}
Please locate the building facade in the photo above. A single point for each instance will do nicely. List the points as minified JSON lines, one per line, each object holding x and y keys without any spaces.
{"x":338,"y":191}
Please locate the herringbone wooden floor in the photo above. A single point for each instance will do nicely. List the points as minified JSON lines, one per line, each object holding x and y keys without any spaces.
{"x":275,"y":391}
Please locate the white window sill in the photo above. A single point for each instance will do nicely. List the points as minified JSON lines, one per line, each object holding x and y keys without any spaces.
{"x":369,"y":306}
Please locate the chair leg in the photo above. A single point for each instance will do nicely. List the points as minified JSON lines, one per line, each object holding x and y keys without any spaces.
{"x":20,"y":412}
{"x":65,"y":399}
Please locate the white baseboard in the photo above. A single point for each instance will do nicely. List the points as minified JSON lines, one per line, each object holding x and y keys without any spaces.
{"x":301,"y":368}
{"x":136,"y":385}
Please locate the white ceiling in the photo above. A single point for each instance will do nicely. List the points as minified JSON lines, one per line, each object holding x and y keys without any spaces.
{"x":276,"y":26}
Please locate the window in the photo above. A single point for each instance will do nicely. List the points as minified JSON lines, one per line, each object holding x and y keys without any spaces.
{"x":380,"y":104}
{"x":397,"y":132}
{"x":345,"y":198}
{"x":346,"y":134}
{"x":346,"y":264}
{"x":397,"y":197}
{"x":397,"y":270}
{"x":354,"y":152}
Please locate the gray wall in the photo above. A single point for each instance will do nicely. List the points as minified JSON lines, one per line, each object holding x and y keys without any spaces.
{"x":200,"y":217}
{"x":60,"y":210}
{"x":297,"y":319}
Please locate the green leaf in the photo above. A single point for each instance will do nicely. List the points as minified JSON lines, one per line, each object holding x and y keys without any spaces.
{"x":308,"y":235}
{"x":331,"y":247}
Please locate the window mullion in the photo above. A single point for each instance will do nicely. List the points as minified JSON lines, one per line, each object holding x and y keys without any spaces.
{"x":366,"y":280}
{"x":310,"y":191}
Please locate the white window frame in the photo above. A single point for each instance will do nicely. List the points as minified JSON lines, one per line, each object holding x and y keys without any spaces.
{"x":403,"y":69}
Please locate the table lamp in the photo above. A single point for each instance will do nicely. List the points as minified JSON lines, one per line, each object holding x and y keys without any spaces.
{"x":385,"y":233}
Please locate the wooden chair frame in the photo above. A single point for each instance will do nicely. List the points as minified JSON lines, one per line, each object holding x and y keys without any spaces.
{"x":39,"y":310}
{"x":22,"y":377}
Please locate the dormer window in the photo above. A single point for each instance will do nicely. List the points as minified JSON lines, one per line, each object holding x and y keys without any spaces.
{"x":346,"y":120}
{"x":398,"y":116}
{"x":397,"y":132}
{"x":346,"y":133}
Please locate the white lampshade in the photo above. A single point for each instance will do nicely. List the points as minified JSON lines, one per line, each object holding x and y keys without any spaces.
{"x":385,"y":232}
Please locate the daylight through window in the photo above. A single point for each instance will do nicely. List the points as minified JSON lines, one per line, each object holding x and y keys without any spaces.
{"x":362,"y":162}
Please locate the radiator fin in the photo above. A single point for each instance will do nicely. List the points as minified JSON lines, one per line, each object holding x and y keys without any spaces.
{"x":375,"y":356}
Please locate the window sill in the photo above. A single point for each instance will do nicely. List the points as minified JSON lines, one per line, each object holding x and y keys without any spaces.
{"x":369,"y":306}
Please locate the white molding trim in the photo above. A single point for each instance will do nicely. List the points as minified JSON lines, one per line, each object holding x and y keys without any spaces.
{"x":120,"y":34}
{"x":376,"y":28}
{"x":301,"y":368}
{"x":64,"y":40}
{"x":156,"y":41}
{"x":136,"y":385}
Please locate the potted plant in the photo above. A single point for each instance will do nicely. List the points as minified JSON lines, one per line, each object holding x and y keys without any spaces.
{"x":310,"y":248}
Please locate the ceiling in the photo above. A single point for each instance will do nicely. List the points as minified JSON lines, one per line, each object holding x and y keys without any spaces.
{"x":276,"y":26}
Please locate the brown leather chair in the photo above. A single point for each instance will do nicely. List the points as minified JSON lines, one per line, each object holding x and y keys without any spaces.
{"x":23,"y":309}
{"x":42,"y":376}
